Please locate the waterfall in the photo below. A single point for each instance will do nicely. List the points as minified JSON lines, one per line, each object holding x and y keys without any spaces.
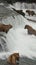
{"x":3,"y":46}
{"x":16,"y":21}
{"x":19,"y":41}
{"x":17,"y":38}
{"x":21,"y":6}
{"x":8,"y":16}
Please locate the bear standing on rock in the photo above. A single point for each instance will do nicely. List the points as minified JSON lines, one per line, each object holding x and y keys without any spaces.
{"x":5,"y":28}
{"x":30,"y":29}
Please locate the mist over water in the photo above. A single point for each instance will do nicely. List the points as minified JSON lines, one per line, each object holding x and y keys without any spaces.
{"x":21,"y":6}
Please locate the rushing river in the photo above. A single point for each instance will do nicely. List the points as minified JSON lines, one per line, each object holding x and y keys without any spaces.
{"x":17,"y":38}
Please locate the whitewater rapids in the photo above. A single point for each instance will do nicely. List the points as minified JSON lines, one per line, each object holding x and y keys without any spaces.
{"x":19,"y":41}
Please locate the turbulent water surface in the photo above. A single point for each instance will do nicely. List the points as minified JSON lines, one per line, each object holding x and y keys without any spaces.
{"x":17,"y":38}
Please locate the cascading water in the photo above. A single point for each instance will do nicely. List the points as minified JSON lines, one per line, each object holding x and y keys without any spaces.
{"x":14,"y":19}
{"x":17,"y":39}
{"x":3,"y":46}
{"x":23,"y":5}
{"x":17,"y":21}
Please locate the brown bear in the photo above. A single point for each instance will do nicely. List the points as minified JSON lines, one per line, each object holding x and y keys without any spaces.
{"x":5,"y":28}
{"x":30,"y":12}
{"x":19,"y":11}
{"x":13,"y":58}
{"x":30,"y":30}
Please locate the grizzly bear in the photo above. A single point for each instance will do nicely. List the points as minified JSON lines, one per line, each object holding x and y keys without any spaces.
{"x":5,"y":28}
{"x":30,"y":12}
{"x":30,"y":30}
{"x":13,"y":58}
{"x":19,"y":11}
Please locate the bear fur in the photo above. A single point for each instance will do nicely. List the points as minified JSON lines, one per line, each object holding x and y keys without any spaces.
{"x":5,"y":28}
{"x":30,"y":12}
{"x":12,"y":58}
{"x":30,"y":29}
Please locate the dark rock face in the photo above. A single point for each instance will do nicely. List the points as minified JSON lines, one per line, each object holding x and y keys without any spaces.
{"x":1,"y":48}
{"x":12,"y":1}
{"x":19,"y":11}
{"x":30,"y":30}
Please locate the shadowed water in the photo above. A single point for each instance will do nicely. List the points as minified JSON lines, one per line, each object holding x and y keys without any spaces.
{"x":22,"y":61}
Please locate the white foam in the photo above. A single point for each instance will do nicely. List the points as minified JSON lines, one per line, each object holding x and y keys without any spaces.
{"x":19,"y":41}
